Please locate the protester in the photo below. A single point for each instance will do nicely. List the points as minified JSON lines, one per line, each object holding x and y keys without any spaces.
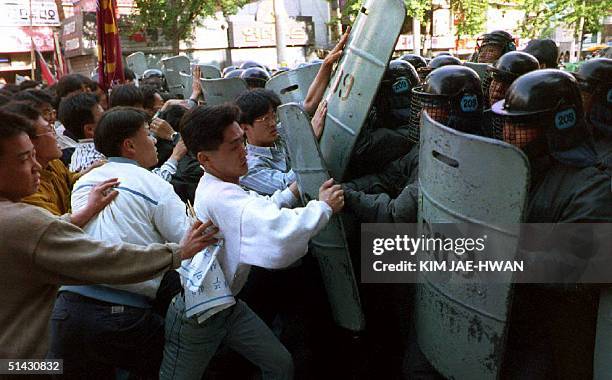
{"x":146,"y":210}
{"x":40,"y":251}
{"x":250,"y":225}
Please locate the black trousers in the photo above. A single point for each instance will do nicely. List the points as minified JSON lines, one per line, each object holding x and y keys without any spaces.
{"x":94,"y":338}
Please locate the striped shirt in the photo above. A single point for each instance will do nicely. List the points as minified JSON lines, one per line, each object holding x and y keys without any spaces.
{"x":269,"y":169}
{"x":86,"y":154}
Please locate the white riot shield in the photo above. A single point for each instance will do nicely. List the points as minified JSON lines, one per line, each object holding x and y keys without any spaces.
{"x":172,"y":68}
{"x":354,"y":84}
{"x":292,"y":85}
{"x":329,"y":246}
{"x":218,"y":91}
{"x":464,"y":178}
{"x":186,"y":83}
{"x":209,"y":72}
{"x":137,"y":63}
{"x":480,"y":68}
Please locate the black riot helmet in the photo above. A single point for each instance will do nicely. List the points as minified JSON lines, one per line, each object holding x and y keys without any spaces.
{"x":255,"y":77}
{"x":228,"y":69}
{"x":152,"y":73}
{"x":546,"y":51}
{"x":415,"y":60}
{"x":491,"y":46}
{"x":451,"y":95}
{"x":595,"y":82}
{"x":393,"y":99}
{"x":249,"y":64}
{"x":437,"y":62}
{"x":501,"y":75}
{"x":236,"y":73}
{"x":542,"y":114}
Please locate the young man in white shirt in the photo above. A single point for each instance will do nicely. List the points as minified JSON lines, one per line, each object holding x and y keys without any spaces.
{"x":257,"y":230}
{"x":96,"y":328}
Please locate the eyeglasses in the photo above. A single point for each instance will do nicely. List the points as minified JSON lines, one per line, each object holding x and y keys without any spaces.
{"x":263,"y":119}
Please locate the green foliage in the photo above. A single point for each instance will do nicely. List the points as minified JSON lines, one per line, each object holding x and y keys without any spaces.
{"x":471,"y":16}
{"x":542,"y":15}
{"x":177,"y":18}
{"x":414,"y":8}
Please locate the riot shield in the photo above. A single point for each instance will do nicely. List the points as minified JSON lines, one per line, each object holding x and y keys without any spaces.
{"x":173,"y":67}
{"x":329,"y":247}
{"x":137,"y":63}
{"x":186,"y":82}
{"x":480,"y":68}
{"x":209,"y":72}
{"x":355,"y":81}
{"x":602,"y":366}
{"x":292,"y":85}
{"x":218,"y":91}
{"x":464,"y":178}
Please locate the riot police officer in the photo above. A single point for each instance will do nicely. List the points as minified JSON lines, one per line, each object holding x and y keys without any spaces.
{"x":501,"y":75}
{"x":595,"y":81}
{"x":415,"y":60}
{"x":436,"y":63}
{"x":227,"y":70}
{"x":491,"y":46}
{"x":452,"y":96}
{"x":256,"y":77}
{"x":155,"y":78}
{"x":552,"y":328}
{"x":384,"y":138}
{"x":546,"y":51}
{"x":236,"y":73}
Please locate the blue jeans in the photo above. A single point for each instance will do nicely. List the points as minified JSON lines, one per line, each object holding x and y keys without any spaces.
{"x":190,"y":345}
{"x":95,"y":337}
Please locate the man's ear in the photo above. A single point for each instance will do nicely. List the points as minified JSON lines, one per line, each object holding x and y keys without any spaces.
{"x":203,"y":158}
{"x":88,"y":130}
{"x":128,"y":149}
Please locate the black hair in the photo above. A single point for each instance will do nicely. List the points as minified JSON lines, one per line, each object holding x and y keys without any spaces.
{"x":203,"y":127}
{"x":12,"y":124}
{"x":23,"y":109}
{"x":4,"y":99}
{"x":75,"y":111}
{"x":256,"y":103}
{"x":71,"y":83}
{"x":116,"y":125}
{"x":148,"y":96}
{"x":126,"y":95}
{"x":43,"y":96}
{"x":27,"y":84}
{"x":128,"y":74}
{"x":12,"y":88}
{"x":26,"y":96}
{"x":173,"y":116}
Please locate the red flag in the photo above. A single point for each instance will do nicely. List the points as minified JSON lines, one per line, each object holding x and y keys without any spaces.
{"x":44,"y":69}
{"x":110,"y":66}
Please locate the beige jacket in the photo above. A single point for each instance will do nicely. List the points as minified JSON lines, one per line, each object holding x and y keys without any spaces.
{"x":38,"y":252}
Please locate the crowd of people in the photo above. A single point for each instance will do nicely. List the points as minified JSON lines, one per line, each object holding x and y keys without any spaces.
{"x":96,"y":190}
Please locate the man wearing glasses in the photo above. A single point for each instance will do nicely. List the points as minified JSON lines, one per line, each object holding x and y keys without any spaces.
{"x":56,"y":181}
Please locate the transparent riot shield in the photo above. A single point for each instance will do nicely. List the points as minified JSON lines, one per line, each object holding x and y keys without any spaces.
{"x":329,"y":247}
{"x":137,"y":63}
{"x":209,"y":72}
{"x":480,"y":68}
{"x":463,"y":178}
{"x":355,"y":82}
{"x":218,"y":91}
{"x":172,"y":68}
{"x":292,"y":85}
